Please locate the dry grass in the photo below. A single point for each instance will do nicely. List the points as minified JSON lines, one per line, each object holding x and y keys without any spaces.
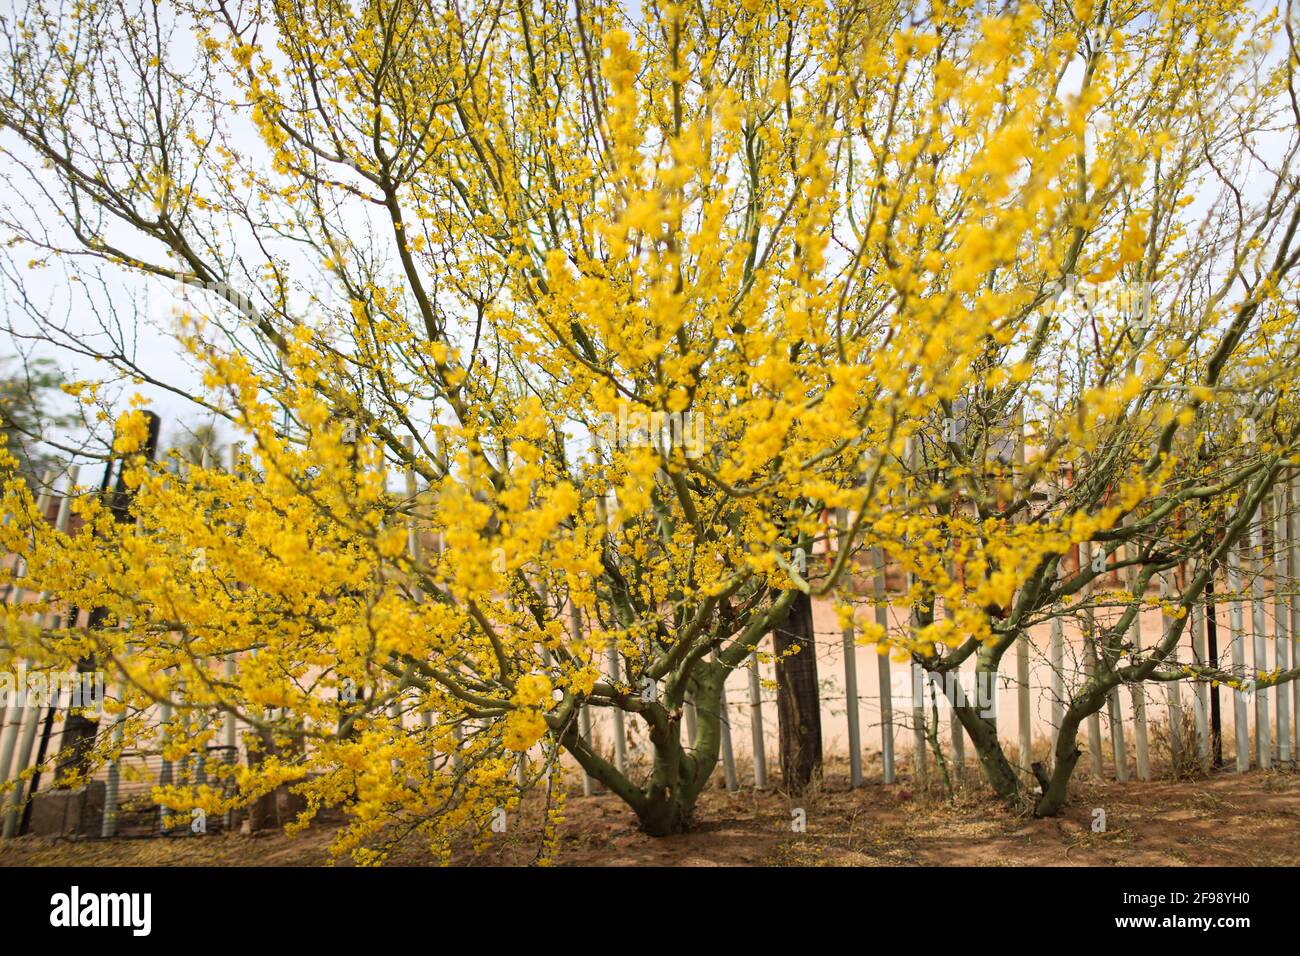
{"x":1222,"y":818}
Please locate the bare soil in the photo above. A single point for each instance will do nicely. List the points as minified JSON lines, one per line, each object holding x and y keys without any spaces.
{"x":1224,"y":819}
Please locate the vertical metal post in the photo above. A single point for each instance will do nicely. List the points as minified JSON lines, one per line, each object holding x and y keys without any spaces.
{"x":31,"y":719}
{"x":620,"y":730}
{"x":24,"y":720}
{"x":957,"y":695}
{"x":1023,"y":708}
{"x":724,"y":731}
{"x":108,"y":825}
{"x":426,"y":721}
{"x":12,"y":728}
{"x":1056,"y":652}
{"x":921,"y":768}
{"x":230,"y":730}
{"x":1117,"y":742}
{"x":5,"y":758}
{"x":1240,"y":713}
{"x":1200,"y":692}
{"x":1136,"y":690}
{"x":1172,"y":692}
{"x":584,"y":715}
{"x":883,"y":672}
{"x":1024,"y":695}
{"x":1293,"y":561}
{"x":1282,"y":622}
{"x":395,"y":715}
{"x":850,"y":670}
{"x":1258,"y":616}
{"x":1090,"y":663}
{"x":165,"y":776}
{"x":230,"y":723}
{"x":756,"y":723}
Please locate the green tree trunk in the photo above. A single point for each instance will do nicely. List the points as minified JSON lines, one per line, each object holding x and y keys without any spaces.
{"x":983,"y":734}
{"x":982,"y":728}
{"x":666,"y":804}
{"x":1056,"y":786}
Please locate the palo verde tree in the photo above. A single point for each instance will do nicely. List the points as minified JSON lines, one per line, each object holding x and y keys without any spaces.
{"x":1172,"y":332}
{"x":634,"y":300}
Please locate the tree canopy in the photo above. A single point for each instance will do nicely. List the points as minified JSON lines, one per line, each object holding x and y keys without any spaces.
{"x":638,"y":301}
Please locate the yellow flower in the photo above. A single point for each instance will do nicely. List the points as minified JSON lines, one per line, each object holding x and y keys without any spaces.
{"x":523,"y":728}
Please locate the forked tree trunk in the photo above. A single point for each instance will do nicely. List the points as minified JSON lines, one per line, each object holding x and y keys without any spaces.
{"x":1056,"y":785}
{"x":983,"y":734}
{"x":669,"y":805}
{"x":798,"y":702}
{"x":979,"y":721}
{"x":665,"y":804}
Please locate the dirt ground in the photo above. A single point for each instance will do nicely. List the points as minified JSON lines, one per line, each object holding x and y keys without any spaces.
{"x":1219,"y":819}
